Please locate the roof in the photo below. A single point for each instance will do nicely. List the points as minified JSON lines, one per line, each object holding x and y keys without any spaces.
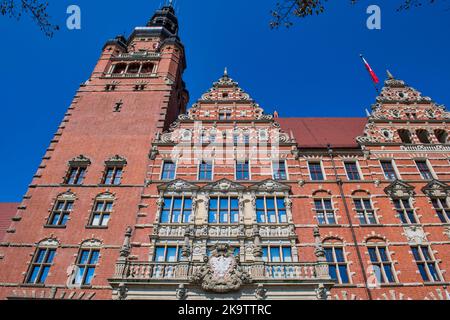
{"x":7,"y":211}
{"x":319,"y":132}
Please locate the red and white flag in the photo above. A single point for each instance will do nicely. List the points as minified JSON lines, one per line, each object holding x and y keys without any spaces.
{"x":369,"y":68}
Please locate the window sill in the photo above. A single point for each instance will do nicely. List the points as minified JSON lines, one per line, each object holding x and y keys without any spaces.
{"x":32,"y":285}
{"x":436,"y":283}
{"x":335,"y":225}
{"x":96,"y":227}
{"x":49,"y":226}
{"x":109,"y":185}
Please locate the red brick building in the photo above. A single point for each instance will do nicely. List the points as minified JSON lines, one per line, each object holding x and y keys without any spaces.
{"x":139,"y":198}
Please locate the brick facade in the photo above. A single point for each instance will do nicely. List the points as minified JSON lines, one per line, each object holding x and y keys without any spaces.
{"x":131,"y":115}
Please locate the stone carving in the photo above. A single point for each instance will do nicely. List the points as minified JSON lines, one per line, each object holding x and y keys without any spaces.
{"x":116,"y":160}
{"x":178,"y":185}
{"x":322,"y":292}
{"x":126,"y":246}
{"x":436,"y":189}
{"x":153,"y":153}
{"x":122,"y":291}
{"x":260,"y":292}
{"x":223,"y":186}
{"x":221,"y":273}
{"x":181,"y":292}
{"x":415,"y":235}
{"x":447,"y":231}
{"x":270,"y":186}
{"x":81,"y":160}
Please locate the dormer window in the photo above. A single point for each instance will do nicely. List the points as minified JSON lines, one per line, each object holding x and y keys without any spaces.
{"x":225,"y":115}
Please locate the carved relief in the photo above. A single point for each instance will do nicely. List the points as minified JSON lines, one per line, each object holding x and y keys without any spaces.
{"x":415,"y":235}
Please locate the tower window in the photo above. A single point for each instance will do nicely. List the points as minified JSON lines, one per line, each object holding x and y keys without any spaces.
{"x":405,"y":136}
{"x":424,"y":169}
{"x":423,"y":136}
{"x":40,"y":266}
{"x":119,"y":68}
{"x":133,"y":68}
{"x":315,"y":171}
{"x":147,"y":68}
{"x":441,"y":136}
{"x":426,"y":263}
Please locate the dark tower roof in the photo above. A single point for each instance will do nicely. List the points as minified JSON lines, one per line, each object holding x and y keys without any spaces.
{"x":166,"y":18}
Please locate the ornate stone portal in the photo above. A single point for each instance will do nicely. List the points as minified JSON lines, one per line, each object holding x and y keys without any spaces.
{"x":221,"y":272}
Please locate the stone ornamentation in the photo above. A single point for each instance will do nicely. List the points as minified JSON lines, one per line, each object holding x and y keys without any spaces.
{"x":221,"y":272}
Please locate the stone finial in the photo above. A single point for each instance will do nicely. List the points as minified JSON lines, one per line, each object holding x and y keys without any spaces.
{"x":389,"y":74}
{"x":126,"y":246}
{"x":319,"y":251}
{"x":225,"y":72}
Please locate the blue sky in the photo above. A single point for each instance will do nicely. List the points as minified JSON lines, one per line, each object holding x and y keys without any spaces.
{"x":310,"y":70}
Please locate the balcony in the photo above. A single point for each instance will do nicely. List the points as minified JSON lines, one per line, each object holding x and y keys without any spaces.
{"x":138,"y":56}
{"x":134,"y":271}
{"x":129,"y":75}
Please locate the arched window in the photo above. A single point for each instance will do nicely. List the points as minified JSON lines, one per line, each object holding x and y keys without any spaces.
{"x":119,"y":68}
{"x":405,"y":136}
{"x":423,"y":136}
{"x":147,"y":68}
{"x":134,"y":68}
{"x":441,"y":135}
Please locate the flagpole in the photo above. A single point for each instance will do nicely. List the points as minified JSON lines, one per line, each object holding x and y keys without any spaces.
{"x":372,"y":74}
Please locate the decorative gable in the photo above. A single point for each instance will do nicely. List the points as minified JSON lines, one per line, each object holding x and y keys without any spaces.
{"x":436,"y":189}
{"x":399,"y":189}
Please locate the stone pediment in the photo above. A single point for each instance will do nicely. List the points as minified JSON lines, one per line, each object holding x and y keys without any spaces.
{"x":399,"y":189}
{"x":178,"y":185}
{"x":270,"y":186}
{"x":436,"y":189}
{"x":224,"y":185}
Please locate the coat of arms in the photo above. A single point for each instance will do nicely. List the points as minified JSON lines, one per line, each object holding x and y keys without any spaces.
{"x":221,"y":271}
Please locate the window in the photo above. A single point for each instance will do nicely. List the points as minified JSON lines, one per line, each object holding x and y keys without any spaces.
{"x":380,"y":259}
{"x":388,"y":169}
{"x":279,"y":170}
{"x":224,"y":115}
{"x":76,"y":175}
{"x":86,"y":263}
{"x":424,"y":170}
{"x":352,"y":170}
{"x":236,"y":138}
{"x":147,"y":68}
{"x":40,"y":265}
{"x":119,"y":68}
{"x":168,"y":170}
{"x":277,"y":254}
{"x":167,"y":254}
{"x":205,"y":170}
{"x":223,"y":210}
{"x":113,"y":175}
{"x":423,"y":136}
{"x":405,"y":136}
{"x":60,"y":213}
{"x":426,"y":263}
{"x":442,"y":209}
{"x":110,"y":87}
{"x":270,"y":210}
{"x":242,"y":170}
{"x":315,"y":171}
{"x":176,"y":210}
{"x":337,"y":264}
{"x":405,"y":211}
{"x":246,"y":138}
{"x":324,"y":211}
{"x":133,"y":68}
{"x":101,"y":213}
{"x":441,"y":135}
{"x":365,"y":212}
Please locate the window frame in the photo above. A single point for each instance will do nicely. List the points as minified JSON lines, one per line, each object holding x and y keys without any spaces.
{"x":88,"y":265}
{"x":276,"y":209}
{"x":325,"y":211}
{"x":105,"y":200}
{"x":394,"y":168}
{"x":405,"y":211}
{"x":381,"y":263}
{"x":40,"y":265}
{"x":286,"y":174}
{"x":78,"y":175}
{"x":182,"y":209}
{"x":321,"y":169}
{"x":444,"y":211}
{"x":63,"y":212}
{"x":199,"y":171}
{"x":336,"y":264}
{"x":175,"y":163}
{"x":115,"y":169}
{"x":428,"y":167}
{"x":365,"y":212}
{"x":425,"y":262}
{"x":219,"y":210}
{"x":248,"y":164}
